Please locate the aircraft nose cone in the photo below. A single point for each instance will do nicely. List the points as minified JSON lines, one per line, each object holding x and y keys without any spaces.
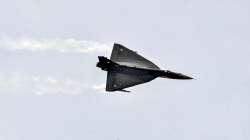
{"x":173,"y":75}
{"x":182,"y":76}
{"x":185,"y":77}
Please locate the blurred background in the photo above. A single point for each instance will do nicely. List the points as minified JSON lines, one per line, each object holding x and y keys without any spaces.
{"x":50,"y":88}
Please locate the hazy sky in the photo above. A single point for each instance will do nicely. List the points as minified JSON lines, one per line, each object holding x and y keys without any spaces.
{"x":50,"y":88}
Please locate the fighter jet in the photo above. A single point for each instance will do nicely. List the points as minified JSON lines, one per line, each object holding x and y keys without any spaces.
{"x":126,"y":68}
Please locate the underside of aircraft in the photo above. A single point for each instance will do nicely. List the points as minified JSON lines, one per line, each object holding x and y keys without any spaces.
{"x":126,"y":68}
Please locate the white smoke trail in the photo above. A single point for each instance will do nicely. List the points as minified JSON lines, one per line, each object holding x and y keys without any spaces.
{"x":55,"y":45}
{"x":44,"y":85}
{"x":99,"y":87}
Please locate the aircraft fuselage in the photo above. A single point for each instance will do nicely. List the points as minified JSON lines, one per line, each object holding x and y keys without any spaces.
{"x":108,"y":65}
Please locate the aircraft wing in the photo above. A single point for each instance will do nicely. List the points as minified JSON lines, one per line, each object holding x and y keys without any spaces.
{"x":125,"y":56}
{"x":119,"y":81}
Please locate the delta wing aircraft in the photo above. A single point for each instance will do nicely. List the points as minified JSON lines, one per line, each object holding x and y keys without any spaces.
{"x":126,"y":68}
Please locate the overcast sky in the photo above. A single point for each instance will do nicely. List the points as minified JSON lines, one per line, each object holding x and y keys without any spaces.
{"x":50,"y":88}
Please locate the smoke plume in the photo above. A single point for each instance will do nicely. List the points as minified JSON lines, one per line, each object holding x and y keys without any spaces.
{"x":12,"y":80}
{"x":44,"y":85}
{"x":55,"y":45}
